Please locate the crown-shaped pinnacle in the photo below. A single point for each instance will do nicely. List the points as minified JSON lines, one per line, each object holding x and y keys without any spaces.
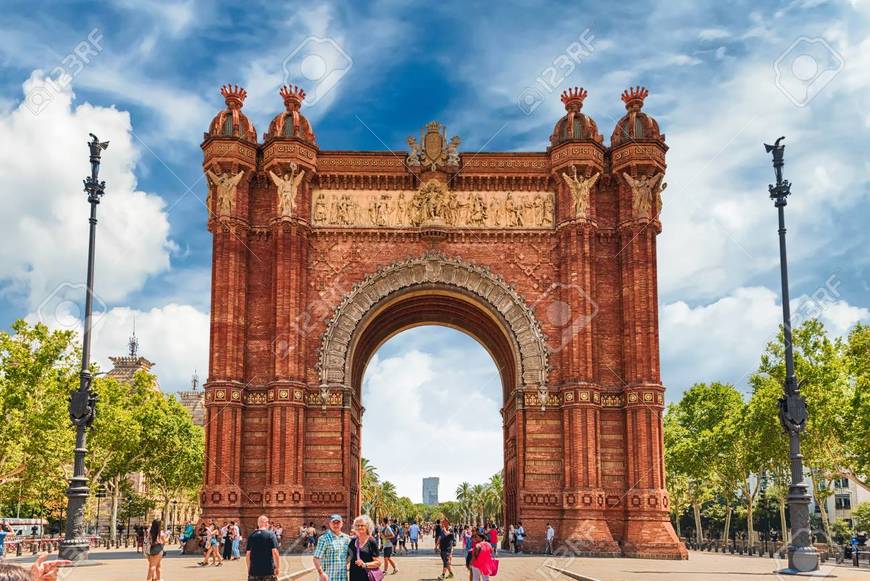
{"x":292,"y":95}
{"x":234,"y":95}
{"x":634,"y":96}
{"x":574,"y":96}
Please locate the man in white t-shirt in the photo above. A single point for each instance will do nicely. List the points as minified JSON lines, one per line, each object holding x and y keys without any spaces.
{"x":551,"y":534}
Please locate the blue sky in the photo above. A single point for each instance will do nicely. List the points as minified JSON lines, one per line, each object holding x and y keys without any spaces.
{"x":723,"y":78}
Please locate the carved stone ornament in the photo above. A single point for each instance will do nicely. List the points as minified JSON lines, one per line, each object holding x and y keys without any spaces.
{"x":646,"y":195}
{"x":580,"y":191}
{"x":287,"y":186}
{"x":432,"y":204}
{"x":434,"y":151}
{"x":435,"y":268}
{"x":225,"y":185}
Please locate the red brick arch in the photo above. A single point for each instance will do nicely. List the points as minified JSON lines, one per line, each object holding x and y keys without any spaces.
{"x":320,"y":256}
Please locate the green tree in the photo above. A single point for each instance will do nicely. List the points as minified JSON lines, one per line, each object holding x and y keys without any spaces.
{"x":175,"y":466}
{"x":857,"y":357}
{"x":821,"y":369}
{"x":861,"y":516}
{"x":38,"y":372}
{"x":694,"y":439}
{"x":125,"y":432}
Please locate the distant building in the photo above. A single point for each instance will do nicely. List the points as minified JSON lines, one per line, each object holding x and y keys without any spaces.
{"x":194,"y":401}
{"x":430,"y":490}
{"x":124,"y":367}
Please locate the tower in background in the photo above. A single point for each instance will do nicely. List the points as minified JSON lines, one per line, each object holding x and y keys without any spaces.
{"x":430,"y":490}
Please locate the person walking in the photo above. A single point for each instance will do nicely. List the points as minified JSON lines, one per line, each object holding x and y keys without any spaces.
{"x":157,"y":539}
{"x":520,"y":533}
{"x":261,"y":553}
{"x":468,"y":542}
{"x":388,"y":539}
{"x":413,"y":535}
{"x":227,"y":537}
{"x":363,"y":550}
{"x":493,"y":538}
{"x":444,"y":545}
{"x":236,"y":539}
{"x":551,"y":534}
{"x":482,"y":563}
{"x":330,"y":555}
{"x":5,"y":531}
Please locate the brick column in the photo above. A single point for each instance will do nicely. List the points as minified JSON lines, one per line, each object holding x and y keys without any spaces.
{"x":648,"y":531}
{"x":221,"y":496}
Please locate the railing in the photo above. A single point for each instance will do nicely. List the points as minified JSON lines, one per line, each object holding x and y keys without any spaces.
{"x":770,"y":549}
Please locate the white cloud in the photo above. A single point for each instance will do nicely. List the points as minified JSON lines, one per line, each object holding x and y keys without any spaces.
{"x":174,"y":337}
{"x":432,"y":412}
{"x":713,"y":34}
{"x":43,"y":158}
{"x":723,"y":340}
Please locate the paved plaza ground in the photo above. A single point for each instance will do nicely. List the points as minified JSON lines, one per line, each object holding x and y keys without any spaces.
{"x":125,"y":565}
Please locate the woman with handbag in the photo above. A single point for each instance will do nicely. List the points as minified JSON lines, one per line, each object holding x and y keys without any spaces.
{"x":363,"y":550}
{"x":482,"y":564}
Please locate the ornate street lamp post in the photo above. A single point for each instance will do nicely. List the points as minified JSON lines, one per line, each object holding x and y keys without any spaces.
{"x":802,"y":555}
{"x":83,"y":402}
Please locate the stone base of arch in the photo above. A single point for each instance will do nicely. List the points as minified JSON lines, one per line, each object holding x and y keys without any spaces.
{"x":652,"y":538}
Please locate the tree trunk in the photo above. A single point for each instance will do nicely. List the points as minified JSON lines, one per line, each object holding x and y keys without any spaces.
{"x":728,"y":511}
{"x":679,"y":533}
{"x":699,"y":534}
{"x":823,"y":510}
{"x":113,"y":519}
{"x":750,"y":526}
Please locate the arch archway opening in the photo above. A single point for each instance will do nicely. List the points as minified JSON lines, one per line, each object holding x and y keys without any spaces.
{"x":433,"y":368}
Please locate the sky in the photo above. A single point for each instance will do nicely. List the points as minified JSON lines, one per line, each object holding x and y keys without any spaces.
{"x":723,"y":78}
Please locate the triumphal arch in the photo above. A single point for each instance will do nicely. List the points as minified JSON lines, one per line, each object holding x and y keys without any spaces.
{"x":547,"y":258}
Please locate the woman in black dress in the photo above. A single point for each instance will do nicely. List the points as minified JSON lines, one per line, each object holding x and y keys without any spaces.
{"x":363,"y":549}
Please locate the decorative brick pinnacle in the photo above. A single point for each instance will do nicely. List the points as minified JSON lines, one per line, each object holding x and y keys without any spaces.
{"x":633,"y":97}
{"x":574,"y":97}
{"x":234,"y":95}
{"x":293,"y":96}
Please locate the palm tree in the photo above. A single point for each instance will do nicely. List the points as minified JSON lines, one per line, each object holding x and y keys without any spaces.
{"x":477,"y":502}
{"x":463,"y":496}
{"x":495,"y":496}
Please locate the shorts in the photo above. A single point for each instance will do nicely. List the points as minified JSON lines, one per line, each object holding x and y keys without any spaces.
{"x":262,"y":578}
{"x":445,"y":557}
{"x":388,"y":552}
{"x":468,"y":560}
{"x":494,"y":547}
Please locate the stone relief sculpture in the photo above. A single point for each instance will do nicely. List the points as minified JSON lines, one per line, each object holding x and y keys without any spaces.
{"x":287,"y":188}
{"x":433,"y":204}
{"x":225,"y":185}
{"x":645,"y":194}
{"x":580,"y":191}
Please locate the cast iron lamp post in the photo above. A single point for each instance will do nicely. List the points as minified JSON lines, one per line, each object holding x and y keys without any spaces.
{"x":802,"y":555}
{"x":83,"y":401}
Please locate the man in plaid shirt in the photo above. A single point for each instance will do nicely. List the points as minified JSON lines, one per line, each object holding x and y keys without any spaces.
{"x":330,"y":556}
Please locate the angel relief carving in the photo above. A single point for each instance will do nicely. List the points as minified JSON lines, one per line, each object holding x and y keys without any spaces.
{"x":225,"y":185}
{"x":288,"y":185}
{"x":581,"y":189}
{"x":646,"y":195}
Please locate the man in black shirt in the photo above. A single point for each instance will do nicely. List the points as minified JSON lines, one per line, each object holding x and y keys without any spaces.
{"x":444,"y":542}
{"x":263,"y":559}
